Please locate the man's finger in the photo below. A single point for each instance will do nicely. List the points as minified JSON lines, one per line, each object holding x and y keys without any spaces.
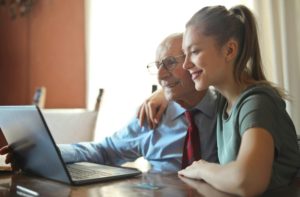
{"x":8,"y":158}
{"x":4,"y":150}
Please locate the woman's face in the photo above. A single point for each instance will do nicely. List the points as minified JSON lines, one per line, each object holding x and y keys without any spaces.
{"x":205,"y":60}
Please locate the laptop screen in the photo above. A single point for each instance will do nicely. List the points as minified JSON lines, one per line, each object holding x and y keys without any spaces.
{"x":34,"y":148}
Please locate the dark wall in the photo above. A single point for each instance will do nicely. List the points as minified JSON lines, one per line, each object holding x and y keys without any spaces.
{"x":44,"y":48}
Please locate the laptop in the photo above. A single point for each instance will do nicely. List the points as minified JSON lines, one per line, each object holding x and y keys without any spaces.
{"x":35,"y":150}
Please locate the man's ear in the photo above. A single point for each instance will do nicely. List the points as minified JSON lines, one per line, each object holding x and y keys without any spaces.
{"x":231,"y":50}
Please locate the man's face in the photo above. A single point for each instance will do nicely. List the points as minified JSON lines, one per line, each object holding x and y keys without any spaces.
{"x":176,"y":82}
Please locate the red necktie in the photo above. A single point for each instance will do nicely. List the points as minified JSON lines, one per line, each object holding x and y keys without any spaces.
{"x":191,"y":148}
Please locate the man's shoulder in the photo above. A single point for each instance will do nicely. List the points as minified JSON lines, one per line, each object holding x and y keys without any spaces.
{"x":213,"y":94}
{"x":174,"y":110}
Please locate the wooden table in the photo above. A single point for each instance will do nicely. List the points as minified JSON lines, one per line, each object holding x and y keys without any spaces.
{"x":163,"y":185}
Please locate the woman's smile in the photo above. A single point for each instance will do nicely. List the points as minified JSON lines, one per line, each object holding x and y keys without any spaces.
{"x":196,"y":74}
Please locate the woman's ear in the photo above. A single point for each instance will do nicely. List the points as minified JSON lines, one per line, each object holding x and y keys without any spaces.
{"x":231,"y":50}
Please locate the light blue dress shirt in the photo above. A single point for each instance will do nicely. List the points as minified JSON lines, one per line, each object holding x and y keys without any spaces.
{"x":161,"y":146}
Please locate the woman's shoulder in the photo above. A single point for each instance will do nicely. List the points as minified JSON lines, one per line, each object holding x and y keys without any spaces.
{"x":261,"y":91}
{"x":260,"y":96}
{"x":258,"y":89}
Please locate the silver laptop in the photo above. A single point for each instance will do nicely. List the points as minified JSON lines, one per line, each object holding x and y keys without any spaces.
{"x":35,"y":150}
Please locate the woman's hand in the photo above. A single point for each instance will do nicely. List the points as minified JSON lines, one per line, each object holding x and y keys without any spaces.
{"x":152,"y":109}
{"x":203,"y":188}
{"x":244,"y":176}
{"x":193,"y":171}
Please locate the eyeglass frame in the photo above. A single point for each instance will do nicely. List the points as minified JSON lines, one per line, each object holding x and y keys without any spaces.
{"x":168,"y":66}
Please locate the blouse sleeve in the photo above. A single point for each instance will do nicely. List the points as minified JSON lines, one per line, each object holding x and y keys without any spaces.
{"x":259,"y":111}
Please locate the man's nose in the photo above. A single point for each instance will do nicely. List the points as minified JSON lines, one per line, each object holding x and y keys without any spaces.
{"x":163,"y":72}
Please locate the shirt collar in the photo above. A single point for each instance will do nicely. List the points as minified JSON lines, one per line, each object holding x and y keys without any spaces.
{"x":174,"y":110}
{"x":207,"y":105}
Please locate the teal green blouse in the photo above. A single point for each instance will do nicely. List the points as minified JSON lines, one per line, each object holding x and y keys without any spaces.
{"x":260,"y":106}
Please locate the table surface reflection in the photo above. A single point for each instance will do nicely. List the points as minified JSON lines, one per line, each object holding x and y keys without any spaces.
{"x":163,"y":185}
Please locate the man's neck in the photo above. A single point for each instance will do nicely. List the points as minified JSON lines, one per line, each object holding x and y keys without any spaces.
{"x":191,"y":100}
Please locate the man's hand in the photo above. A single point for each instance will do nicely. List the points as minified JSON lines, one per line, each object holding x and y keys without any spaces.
{"x":5,"y":150}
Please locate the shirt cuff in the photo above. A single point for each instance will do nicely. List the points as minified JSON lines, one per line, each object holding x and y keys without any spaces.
{"x":68,"y":152}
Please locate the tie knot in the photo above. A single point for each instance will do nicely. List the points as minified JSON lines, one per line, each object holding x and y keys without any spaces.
{"x":189,"y":115}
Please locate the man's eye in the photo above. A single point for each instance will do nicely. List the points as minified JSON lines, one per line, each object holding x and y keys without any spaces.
{"x":170,"y":61}
{"x":195,"y":51}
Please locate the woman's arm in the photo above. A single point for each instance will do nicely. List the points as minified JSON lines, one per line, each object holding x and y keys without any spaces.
{"x":203,"y":188}
{"x":249,"y":175}
{"x":153,"y":108}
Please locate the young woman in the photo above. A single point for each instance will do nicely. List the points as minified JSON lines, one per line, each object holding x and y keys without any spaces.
{"x":257,"y":146}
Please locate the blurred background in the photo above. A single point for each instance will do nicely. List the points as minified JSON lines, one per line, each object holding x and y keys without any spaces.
{"x":72,"y":48}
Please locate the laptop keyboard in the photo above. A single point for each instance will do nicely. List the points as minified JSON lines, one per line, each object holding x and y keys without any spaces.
{"x":83,"y":170}
{"x":77,"y":172}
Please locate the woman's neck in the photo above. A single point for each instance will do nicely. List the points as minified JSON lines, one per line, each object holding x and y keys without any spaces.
{"x":232,"y":92}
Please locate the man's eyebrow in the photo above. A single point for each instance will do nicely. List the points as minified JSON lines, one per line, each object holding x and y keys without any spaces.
{"x":167,"y":57}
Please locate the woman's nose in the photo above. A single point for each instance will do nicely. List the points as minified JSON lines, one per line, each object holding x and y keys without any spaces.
{"x":187,"y":64}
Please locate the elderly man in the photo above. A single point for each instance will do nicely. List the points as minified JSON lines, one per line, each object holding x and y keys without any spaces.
{"x":164,"y":145}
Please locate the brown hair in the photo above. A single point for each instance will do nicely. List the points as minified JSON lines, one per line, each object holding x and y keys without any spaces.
{"x":237,"y":23}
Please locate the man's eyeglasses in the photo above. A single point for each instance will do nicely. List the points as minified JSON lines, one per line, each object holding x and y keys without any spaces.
{"x":169,"y":63}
